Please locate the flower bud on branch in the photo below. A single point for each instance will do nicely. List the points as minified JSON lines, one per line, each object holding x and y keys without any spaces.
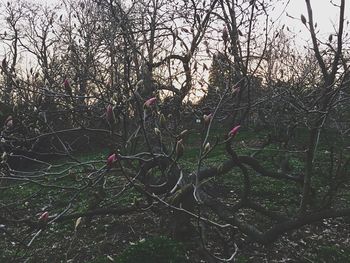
{"x":233,"y":132}
{"x":110,"y":114}
{"x":179,"y":148}
{"x":111,"y":160}
{"x":44,"y":217}
{"x":207,"y":118}
{"x":150,"y":102}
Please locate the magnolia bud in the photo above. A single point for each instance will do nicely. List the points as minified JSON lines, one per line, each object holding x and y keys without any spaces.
{"x":233,"y":132}
{"x":207,"y":147}
{"x":207,"y":118}
{"x":66,"y":83}
{"x":4,"y":64}
{"x":111,"y":160}
{"x":67,"y":87}
{"x":9,"y":122}
{"x":110,"y":114}
{"x":330,"y":38}
{"x":225,"y":34}
{"x":162,"y":121}
{"x":303,"y":19}
{"x":157,"y":131}
{"x":44,"y":217}
{"x":150,"y":102}
{"x":179,"y":149}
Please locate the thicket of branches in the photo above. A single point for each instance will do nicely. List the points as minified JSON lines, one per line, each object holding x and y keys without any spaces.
{"x":109,"y":75}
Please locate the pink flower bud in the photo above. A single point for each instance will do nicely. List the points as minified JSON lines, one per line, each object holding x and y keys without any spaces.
{"x":67,"y":87}
{"x":112,"y":159}
{"x":234,"y":131}
{"x":150,"y":102}
{"x":225,"y":34}
{"x":44,"y":217}
{"x":9,"y":122}
{"x":109,"y":114}
{"x":66,"y":83}
{"x":236,"y":89}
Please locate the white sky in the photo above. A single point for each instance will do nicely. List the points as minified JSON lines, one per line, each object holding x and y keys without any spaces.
{"x":325,"y":14}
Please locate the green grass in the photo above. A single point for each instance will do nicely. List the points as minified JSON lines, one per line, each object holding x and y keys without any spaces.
{"x":332,"y":254}
{"x":154,"y":250}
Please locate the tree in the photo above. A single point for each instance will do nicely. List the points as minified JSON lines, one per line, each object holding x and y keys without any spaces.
{"x":117,"y":75}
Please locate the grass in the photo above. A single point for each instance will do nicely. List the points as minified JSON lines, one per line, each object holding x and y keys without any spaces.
{"x":277,"y":195}
{"x":154,"y":250}
{"x":333,"y":253}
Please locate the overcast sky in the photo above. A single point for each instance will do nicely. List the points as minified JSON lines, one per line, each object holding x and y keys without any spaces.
{"x":325,"y":14}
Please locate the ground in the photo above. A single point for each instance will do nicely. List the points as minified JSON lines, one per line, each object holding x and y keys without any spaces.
{"x":104,"y":238}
